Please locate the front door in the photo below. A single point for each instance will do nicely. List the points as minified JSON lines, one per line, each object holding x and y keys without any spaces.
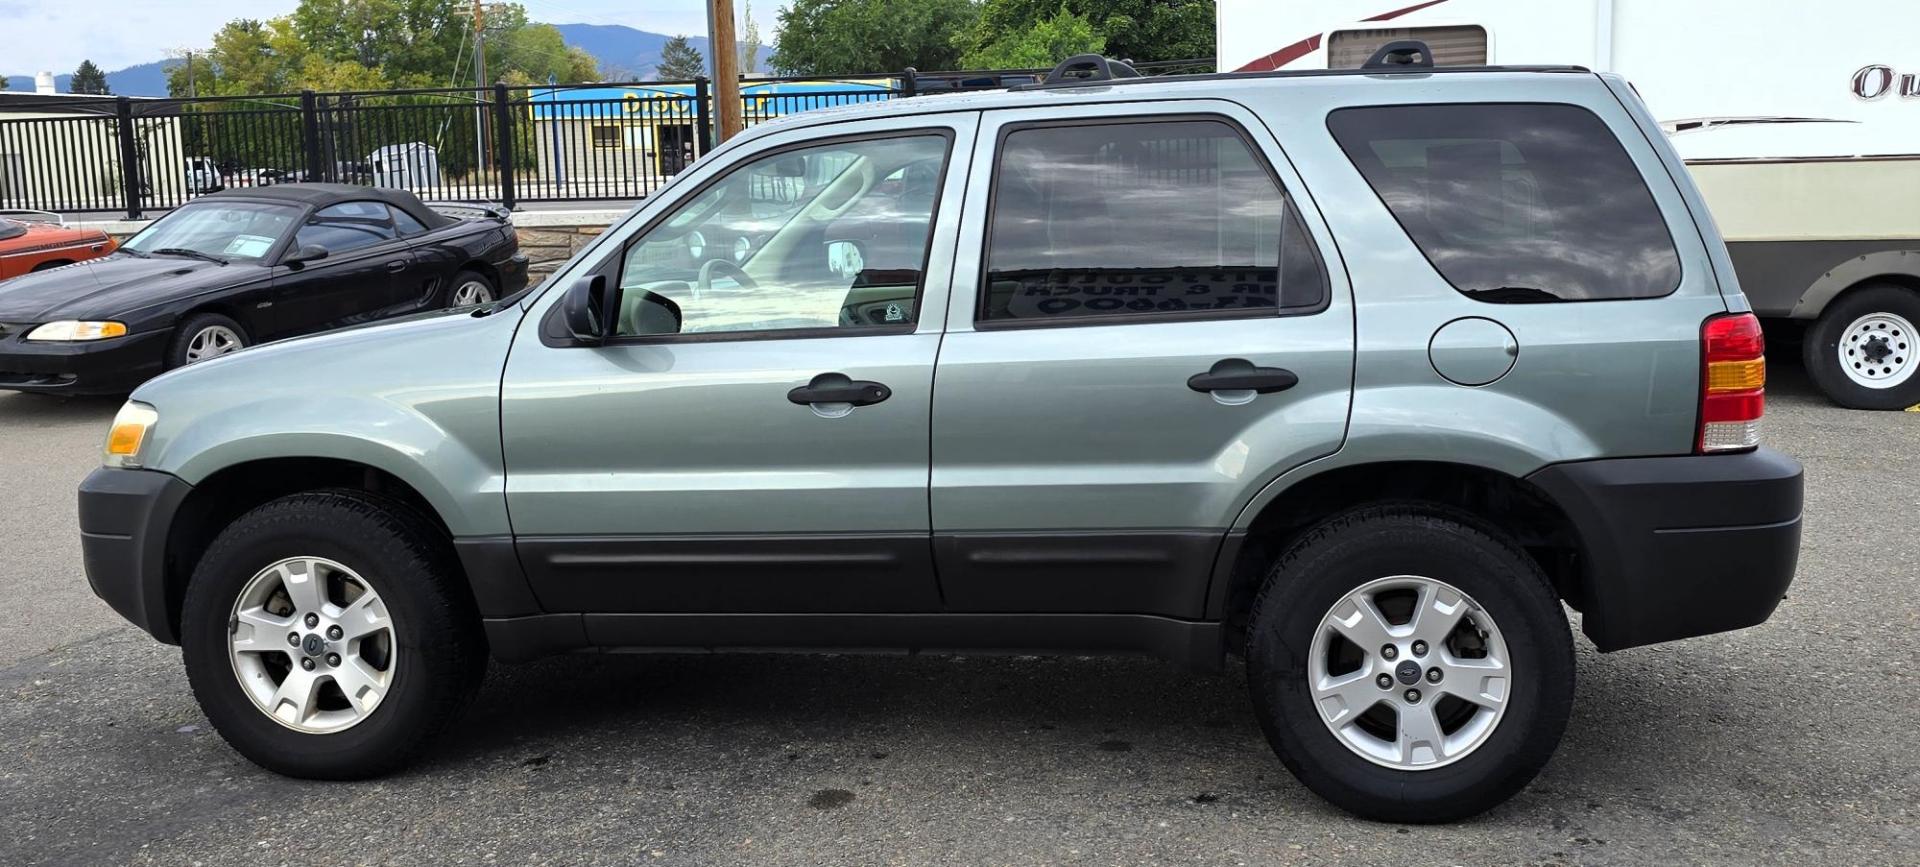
{"x":368,"y":272}
{"x":1150,"y":325}
{"x":755,"y":438}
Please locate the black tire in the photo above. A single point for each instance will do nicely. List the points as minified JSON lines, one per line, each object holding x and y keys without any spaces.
{"x":48,"y":266}
{"x":1820,"y":351}
{"x":440,"y":651}
{"x":462,"y":278}
{"x":183,"y":336}
{"x":1347,"y":551}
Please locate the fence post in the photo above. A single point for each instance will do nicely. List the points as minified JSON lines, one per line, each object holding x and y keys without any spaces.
{"x":503,"y":143}
{"x":129,"y":156}
{"x":909,"y":82}
{"x":310,"y":136}
{"x":703,"y":119}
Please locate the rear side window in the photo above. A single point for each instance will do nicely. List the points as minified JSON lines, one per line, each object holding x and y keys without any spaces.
{"x":1147,"y":218}
{"x":347,"y":226}
{"x":1515,"y":203}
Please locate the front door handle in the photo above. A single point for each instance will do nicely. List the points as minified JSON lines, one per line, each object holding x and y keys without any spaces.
{"x":836,"y":391}
{"x":1239,"y":374}
{"x":396,"y":266}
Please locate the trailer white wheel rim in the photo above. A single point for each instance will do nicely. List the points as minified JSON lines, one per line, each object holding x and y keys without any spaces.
{"x":1879,"y":351}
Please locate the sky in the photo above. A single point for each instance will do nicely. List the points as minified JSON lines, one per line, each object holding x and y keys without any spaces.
{"x":40,"y":35}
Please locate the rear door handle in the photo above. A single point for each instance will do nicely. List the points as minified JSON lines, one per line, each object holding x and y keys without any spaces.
{"x":396,"y":266}
{"x":1239,"y":374}
{"x":836,"y":391}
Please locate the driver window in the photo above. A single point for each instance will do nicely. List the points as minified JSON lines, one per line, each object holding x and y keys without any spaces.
{"x":347,"y":226}
{"x":833,"y":236}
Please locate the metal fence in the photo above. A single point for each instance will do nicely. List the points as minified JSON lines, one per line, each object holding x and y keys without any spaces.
{"x":586,"y":142}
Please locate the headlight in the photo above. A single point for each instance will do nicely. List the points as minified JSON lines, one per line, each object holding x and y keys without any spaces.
{"x":69,"y":330}
{"x":129,"y":434}
{"x":741,"y":247}
{"x":696,"y":244}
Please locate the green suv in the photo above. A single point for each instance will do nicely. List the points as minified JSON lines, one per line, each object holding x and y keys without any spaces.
{"x":1356,"y":376}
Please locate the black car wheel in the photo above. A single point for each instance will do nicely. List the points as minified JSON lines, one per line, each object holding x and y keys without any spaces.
{"x":204,"y":336}
{"x":471,"y":288}
{"x":1409,"y":664}
{"x":326,"y":635}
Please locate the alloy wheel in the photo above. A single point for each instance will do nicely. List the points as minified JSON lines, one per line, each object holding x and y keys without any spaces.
{"x":211,"y":341}
{"x":471,"y":293}
{"x":1409,"y":673}
{"x":312,"y":645}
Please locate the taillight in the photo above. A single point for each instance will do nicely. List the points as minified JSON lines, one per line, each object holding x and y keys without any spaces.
{"x":1733,"y":383}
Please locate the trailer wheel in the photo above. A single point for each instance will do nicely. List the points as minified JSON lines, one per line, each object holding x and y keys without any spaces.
{"x":1864,"y":351}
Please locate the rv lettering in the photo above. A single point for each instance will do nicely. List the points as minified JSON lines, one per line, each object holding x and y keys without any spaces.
{"x":1876,"y":80}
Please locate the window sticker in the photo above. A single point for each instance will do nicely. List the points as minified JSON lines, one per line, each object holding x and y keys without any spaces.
{"x":250,"y":246}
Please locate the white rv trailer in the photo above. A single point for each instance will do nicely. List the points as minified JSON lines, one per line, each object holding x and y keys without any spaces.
{"x":1800,"y":122}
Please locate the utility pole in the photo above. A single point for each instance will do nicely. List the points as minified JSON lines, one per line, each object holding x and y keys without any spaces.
{"x":479,"y":81}
{"x":726,"y":69}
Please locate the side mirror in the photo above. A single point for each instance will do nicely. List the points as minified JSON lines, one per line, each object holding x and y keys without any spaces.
{"x":846,"y":259}
{"x":591,"y":309}
{"x":309,"y":253}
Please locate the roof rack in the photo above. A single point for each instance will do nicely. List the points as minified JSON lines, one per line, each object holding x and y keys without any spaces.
{"x":1400,"y":54}
{"x":1084,"y":69}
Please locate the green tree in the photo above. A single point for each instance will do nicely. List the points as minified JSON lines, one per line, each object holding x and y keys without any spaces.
{"x":749,"y":41}
{"x":844,"y":37}
{"x":89,"y":79}
{"x":1040,"y":46}
{"x":536,"y":53}
{"x":1139,"y":30}
{"x":679,"y":61}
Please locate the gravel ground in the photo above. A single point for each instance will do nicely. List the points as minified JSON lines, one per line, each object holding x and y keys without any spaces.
{"x":1791,"y":743}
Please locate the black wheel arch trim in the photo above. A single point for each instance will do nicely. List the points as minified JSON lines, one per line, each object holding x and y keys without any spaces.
{"x":1682,"y":546}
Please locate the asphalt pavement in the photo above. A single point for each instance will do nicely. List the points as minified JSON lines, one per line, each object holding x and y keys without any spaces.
{"x":1792,"y":743}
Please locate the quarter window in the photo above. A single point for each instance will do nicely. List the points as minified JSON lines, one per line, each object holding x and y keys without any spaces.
{"x":347,"y":226}
{"x":826,"y":237}
{"x":1140,"y":219}
{"x":1515,"y":202}
{"x":405,"y":223}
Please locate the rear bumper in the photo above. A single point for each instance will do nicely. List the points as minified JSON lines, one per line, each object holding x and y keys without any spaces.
{"x":114,"y":366}
{"x":513,"y":274}
{"x":1677,"y":547}
{"x":124,"y":518}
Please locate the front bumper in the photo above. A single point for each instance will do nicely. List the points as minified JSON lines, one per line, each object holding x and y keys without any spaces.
{"x":125,"y":516}
{"x":1677,"y":547}
{"x":113,"y":366}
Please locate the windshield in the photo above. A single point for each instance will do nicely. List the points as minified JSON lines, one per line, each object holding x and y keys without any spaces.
{"x":234,"y":231}
{"x":11,"y":229}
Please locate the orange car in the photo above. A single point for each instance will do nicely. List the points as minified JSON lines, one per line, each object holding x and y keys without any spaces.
{"x":36,"y":246}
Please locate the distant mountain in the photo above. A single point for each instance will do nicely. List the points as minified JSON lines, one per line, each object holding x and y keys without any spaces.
{"x":623,"y":52}
{"x":146,"y":79}
{"x":626,"y":52}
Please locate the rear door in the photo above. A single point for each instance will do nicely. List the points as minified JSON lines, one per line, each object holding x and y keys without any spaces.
{"x":1149,"y":325}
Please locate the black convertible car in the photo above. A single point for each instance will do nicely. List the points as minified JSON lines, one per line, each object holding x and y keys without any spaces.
{"x":240,"y":267}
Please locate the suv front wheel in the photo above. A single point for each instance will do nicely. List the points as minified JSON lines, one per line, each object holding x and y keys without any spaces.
{"x":325,"y":635}
{"x":1410,"y":665}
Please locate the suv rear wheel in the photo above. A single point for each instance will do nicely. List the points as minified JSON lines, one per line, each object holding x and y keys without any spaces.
{"x":1863,"y":352}
{"x":325,"y":636}
{"x":1410,"y":665}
